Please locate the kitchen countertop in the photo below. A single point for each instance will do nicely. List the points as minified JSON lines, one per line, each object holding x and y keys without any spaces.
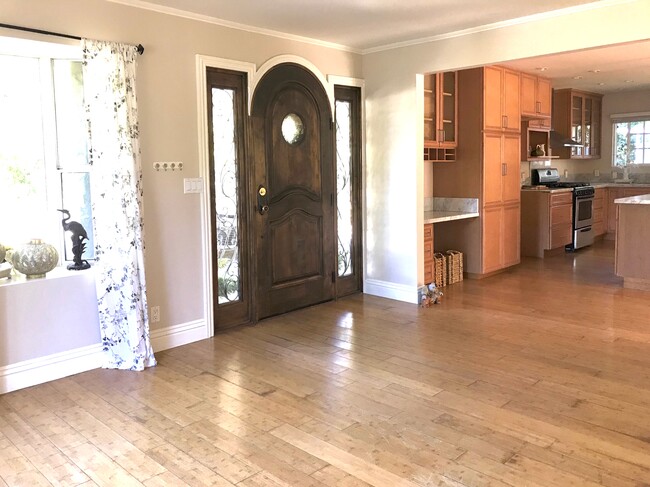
{"x":447,"y":216}
{"x":643,"y":199}
{"x":544,"y":189}
{"x":437,"y":210}
{"x":621,"y":185}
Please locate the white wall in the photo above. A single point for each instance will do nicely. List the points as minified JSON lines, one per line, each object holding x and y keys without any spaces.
{"x":394,"y":121}
{"x":167,"y":103}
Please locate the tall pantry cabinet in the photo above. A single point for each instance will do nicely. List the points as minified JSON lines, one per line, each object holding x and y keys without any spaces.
{"x":487,"y":168}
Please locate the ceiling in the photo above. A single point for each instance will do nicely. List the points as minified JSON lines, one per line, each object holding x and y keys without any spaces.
{"x":368,"y":25}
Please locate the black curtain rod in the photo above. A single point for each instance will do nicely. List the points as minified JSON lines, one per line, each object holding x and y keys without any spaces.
{"x":139,"y":47}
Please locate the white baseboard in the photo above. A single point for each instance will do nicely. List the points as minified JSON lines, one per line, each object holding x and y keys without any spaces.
{"x":51,"y":367}
{"x":177,"y":335}
{"x":385,"y":289}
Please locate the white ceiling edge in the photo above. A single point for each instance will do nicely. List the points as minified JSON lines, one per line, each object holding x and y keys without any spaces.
{"x":551,"y":14}
{"x":145,"y":5}
{"x":142,"y":4}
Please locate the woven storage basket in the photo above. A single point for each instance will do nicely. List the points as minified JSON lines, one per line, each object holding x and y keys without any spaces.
{"x":440,"y":269}
{"x":454,"y":266}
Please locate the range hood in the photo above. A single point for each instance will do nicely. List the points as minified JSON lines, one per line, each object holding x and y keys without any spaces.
{"x":558,"y":141}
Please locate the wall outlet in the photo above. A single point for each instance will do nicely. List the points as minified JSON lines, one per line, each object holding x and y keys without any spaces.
{"x":614,"y":174}
{"x":155,"y":314}
{"x":596,"y":172}
{"x":566,"y":173}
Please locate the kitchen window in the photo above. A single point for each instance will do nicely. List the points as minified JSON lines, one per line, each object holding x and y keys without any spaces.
{"x":44,"y":161}
{"x":631,"y":141}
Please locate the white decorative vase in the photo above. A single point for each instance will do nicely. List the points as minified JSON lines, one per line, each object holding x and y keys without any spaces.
{"x":35,"y":259}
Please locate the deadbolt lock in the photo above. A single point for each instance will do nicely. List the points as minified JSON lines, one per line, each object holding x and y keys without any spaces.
{"x":262,"y":191}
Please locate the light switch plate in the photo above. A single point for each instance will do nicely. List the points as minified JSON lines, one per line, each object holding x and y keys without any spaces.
{"x":192,"y":185}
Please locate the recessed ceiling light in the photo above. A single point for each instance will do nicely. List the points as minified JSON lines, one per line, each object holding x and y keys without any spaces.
{"x":541,"y":68}
{"x":629,"y":81}
{"x":601,"y":84}
{"x":577,"y":77}
{"x":594,"y":70}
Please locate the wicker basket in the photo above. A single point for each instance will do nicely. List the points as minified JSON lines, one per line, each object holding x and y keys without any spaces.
{"x":440,"y":269}
{"x":454,"y":266}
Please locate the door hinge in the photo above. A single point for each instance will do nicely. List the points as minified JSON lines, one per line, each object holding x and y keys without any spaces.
{"x":333,"y":277}
{"x":331,"y":124}
{"x":331,"y":199}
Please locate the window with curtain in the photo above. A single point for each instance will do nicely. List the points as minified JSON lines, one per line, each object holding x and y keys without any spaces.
{"x":631,"y":141}
{"x":44,"y":162}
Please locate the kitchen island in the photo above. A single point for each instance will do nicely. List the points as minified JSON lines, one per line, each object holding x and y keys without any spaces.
{"x":632,"y":236}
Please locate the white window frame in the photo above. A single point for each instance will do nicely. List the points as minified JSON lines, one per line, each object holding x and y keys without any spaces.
{"x":46,"y":52}
{"x":619,"y":118}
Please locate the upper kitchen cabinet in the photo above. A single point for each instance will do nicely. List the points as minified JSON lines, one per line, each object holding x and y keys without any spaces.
{"x":535,"y":97}
{"x":501,"y":94}
{"x":440,"y":116}
{"x":577,"y":114}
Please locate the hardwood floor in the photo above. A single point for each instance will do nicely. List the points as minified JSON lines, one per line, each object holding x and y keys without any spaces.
{"x":535,"y":377}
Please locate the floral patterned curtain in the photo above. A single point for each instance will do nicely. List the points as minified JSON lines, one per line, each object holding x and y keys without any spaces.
{"x":116,"y":188}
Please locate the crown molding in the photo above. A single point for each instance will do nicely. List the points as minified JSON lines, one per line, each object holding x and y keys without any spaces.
{"x":142,"y":4}
{"x":500,"y":25}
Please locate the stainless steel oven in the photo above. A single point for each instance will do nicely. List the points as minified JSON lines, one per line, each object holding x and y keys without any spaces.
{"x":583,"y":205}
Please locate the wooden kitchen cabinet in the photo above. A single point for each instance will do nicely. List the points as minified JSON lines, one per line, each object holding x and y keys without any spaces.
{"x":546,"y":221}
{"x":577,"y":114}
{"x":501,"y":180}
{"x":535,"y":97}
{"x":487,"y":168}
{"x":600,"y":204}
{"x":440,"y":116}
{"x":429,"y":271}
{"x":501,"y":237}
{"x":501,"y":107}
{"x":615,"y":193}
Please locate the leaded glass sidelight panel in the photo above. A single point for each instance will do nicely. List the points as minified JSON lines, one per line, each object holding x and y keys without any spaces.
{"x":344,"y":186}
{"x":226,"y":195}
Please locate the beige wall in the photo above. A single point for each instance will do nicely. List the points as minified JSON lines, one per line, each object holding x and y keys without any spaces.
{"x":394,"y":118}
{"x":168,"y":120}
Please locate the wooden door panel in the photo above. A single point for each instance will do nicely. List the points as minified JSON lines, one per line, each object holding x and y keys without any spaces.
{"x":512,"y":178}
{"x":511,"y":235}
{"x":528,"y":96}
{"x":296,"y":248}
{"x":492,"y":170}
{"x":492,"y":106}
{"x":492,"y":239}
{"x":292,"y":169}
{"x":511,"y":102}
{"x":295,"y":237}
{"x":544,"y":95}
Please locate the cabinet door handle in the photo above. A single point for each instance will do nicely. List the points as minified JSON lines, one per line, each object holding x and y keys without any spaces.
{"x":504,"y":169}
{"x":539,"y":107}
{"x":443,"y":136}
{"x":504,"y":121}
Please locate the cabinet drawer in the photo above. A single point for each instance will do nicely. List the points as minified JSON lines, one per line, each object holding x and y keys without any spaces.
{"x":598,"y":228}
{"x":428,"y":251}
{"x":561,"y":235}
{"x":561,"y":214}
{"x":562,"y":199}
{"x":599,"y":214}
{"x":428,"y":231}
{"x":598,"y":203}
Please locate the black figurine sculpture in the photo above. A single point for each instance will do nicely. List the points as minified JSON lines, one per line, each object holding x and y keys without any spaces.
{"x":78,"y":237}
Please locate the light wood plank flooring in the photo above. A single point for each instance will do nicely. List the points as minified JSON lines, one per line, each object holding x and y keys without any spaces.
{"x":536,"y":377}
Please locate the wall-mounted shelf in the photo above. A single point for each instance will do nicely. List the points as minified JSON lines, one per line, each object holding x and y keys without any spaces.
{"x":544,"y":158}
